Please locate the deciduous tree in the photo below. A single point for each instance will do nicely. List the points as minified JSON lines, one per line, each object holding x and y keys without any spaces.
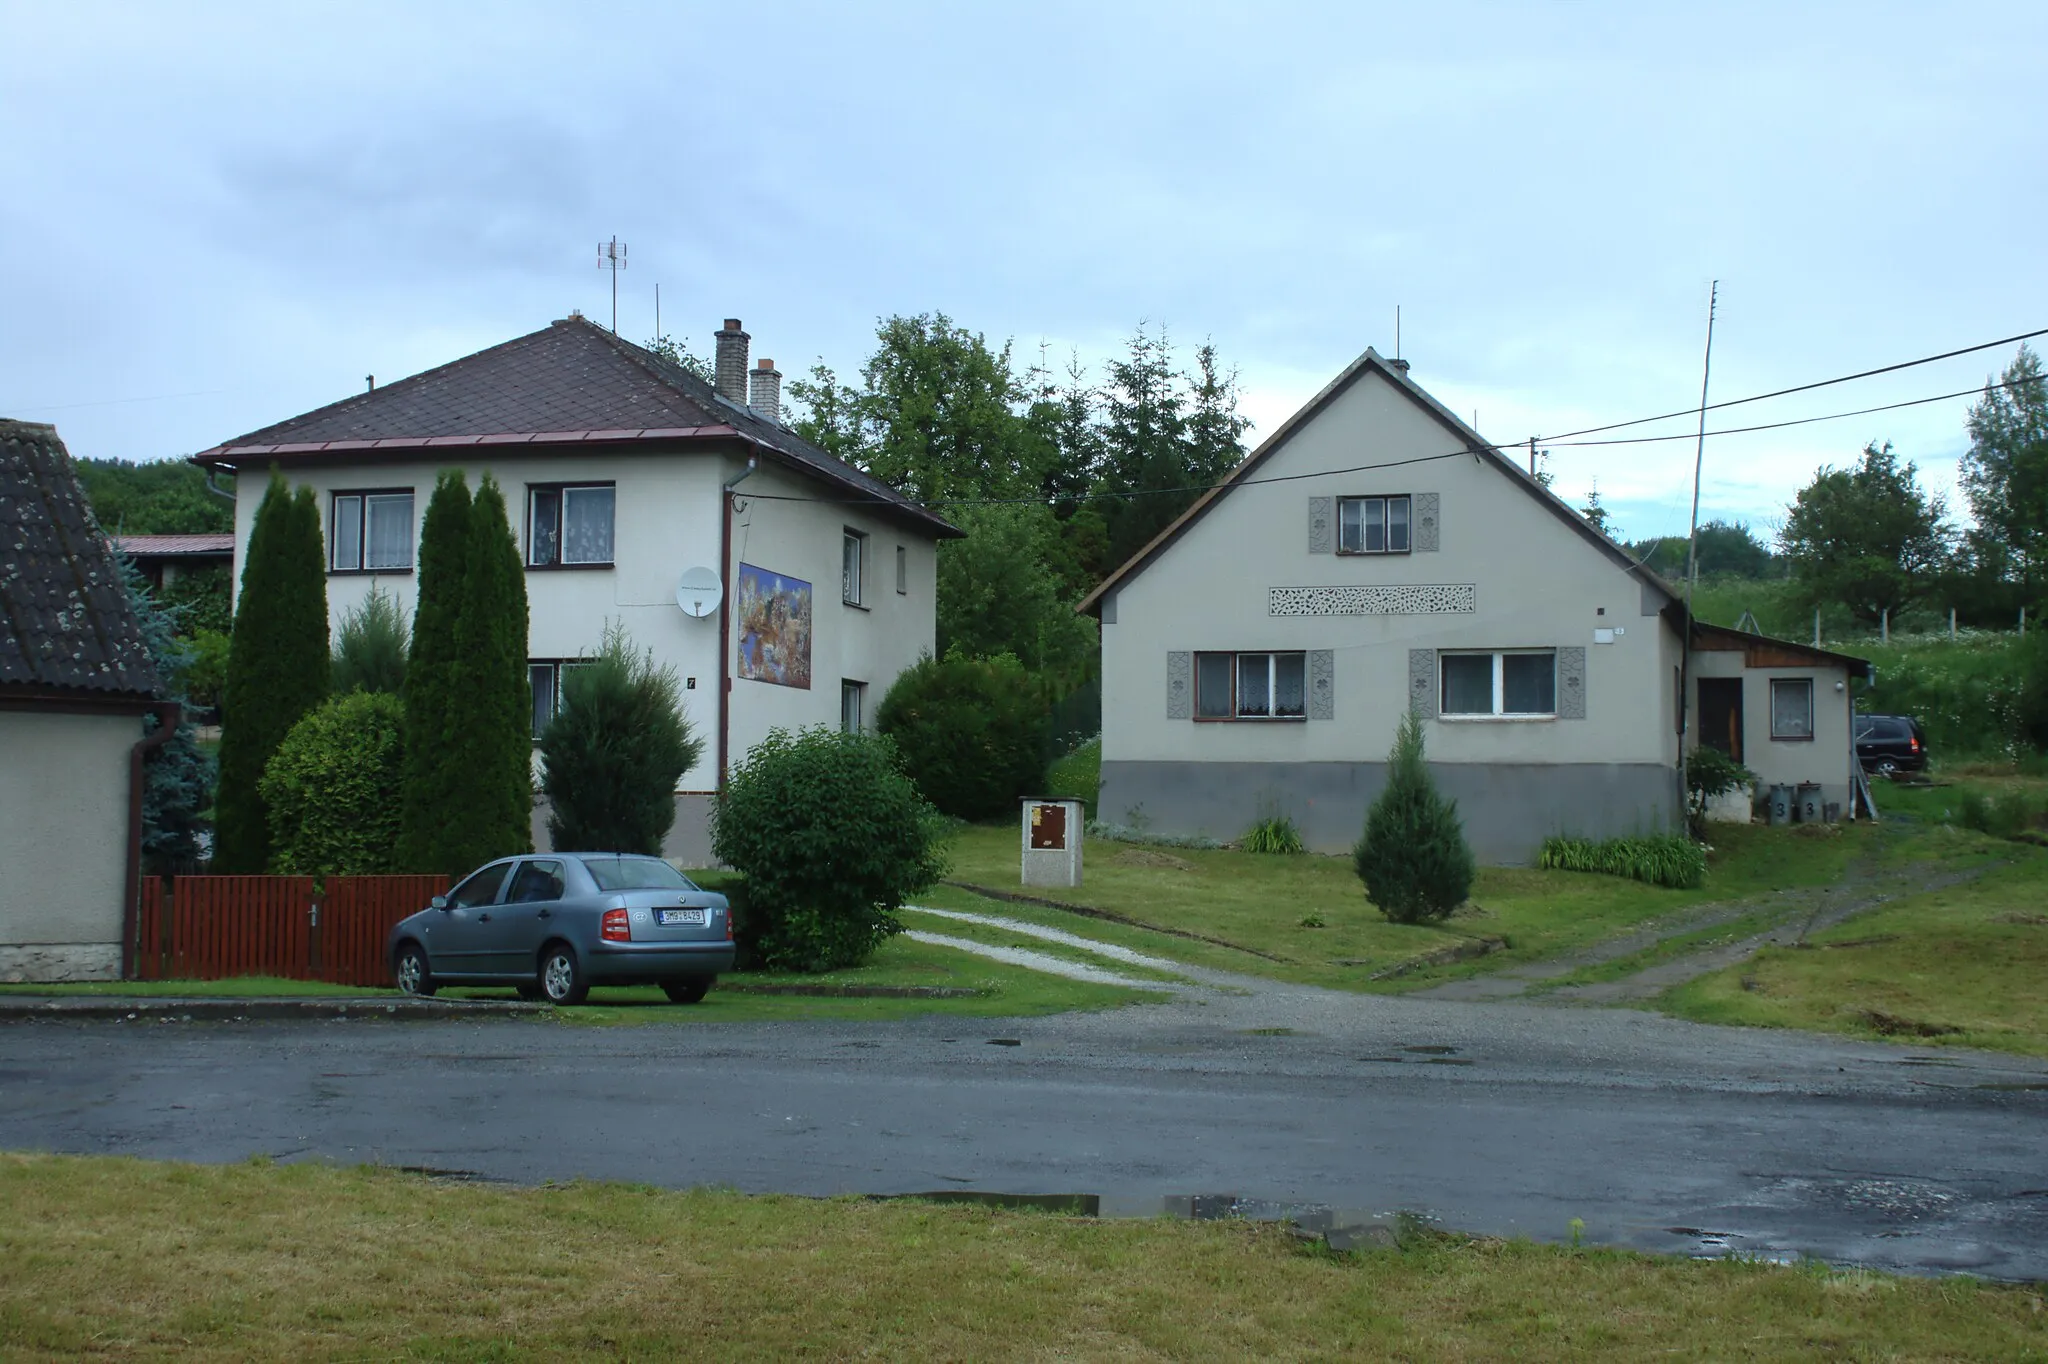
{"x":2005,"y":475}
{"x":1869,"y":537}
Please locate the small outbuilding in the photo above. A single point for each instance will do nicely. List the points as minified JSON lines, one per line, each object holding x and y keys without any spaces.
{"x":76,"y":680}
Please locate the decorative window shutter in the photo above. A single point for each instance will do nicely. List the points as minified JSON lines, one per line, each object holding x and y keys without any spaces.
{"x":1322,"y":684}
{"x":1422,"y":682}
{"x":1571,"y":683}
{"x":1180,"y":686}
{"x":1427,"y":515}
{"x":1322,"y":525}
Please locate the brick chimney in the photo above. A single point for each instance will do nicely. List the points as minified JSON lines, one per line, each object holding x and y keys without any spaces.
{"x":765,"y":390}
{"x":730,"y":366}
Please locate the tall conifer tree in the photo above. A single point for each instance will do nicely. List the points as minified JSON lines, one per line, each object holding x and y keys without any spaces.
{"x":495,"y":818}
{"x":434,"y":786}
{"x":277,"y":668}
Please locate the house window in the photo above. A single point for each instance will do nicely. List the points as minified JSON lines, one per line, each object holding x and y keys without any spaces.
{"x":371,"y":532}
{"x":902,"y":571}
{"x":852,"y":564}
{"x":1251,"y":686}
{"x":547,"y":679}
{"x":1508,"y":682}
{"x":1791,"y":708}
{"x":853,"y":700}
{"x":570,"y":524}
{"x":1373,"y":525}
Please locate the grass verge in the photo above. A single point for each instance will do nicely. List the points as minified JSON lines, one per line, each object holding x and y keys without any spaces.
{"x":1960,"y":967}
{"x":123,"y":1257}
{"x":1003,"y":991}
{"x":1268,"y":903}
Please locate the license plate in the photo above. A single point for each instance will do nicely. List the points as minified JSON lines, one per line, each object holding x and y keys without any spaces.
{"x":670,"y":917}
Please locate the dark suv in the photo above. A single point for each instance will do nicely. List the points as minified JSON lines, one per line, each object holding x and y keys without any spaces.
{"x":1886,"y":744}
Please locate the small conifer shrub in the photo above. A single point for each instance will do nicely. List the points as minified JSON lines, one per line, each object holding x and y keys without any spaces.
{"x":615,"y":750}
{"x":1413,"y":858}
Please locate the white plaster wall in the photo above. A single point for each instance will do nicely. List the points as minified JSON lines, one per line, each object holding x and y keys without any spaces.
{"x":63,"y":842}
{"x":668,"y":519}
{"x":1825,"y":759}
{"x":870,"y":643}
{"x":1539,"y":584}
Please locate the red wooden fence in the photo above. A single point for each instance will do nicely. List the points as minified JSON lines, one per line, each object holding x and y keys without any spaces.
{"x":213,"y":927}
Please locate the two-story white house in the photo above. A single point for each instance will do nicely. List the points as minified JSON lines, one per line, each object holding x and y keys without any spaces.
{"x":786,"y":587}
{"x":1376,"y":554}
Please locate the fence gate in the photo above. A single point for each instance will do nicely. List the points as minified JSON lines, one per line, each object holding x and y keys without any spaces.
{"x":214,"y":927}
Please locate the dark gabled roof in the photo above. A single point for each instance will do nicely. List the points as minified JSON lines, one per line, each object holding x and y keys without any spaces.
{"x":66,"y":624}
{"x":176,"y":546}
{"x":1395,"y":373}
{"x":570,"y":384}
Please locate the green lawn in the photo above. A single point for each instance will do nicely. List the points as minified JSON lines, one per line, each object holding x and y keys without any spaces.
{"x":1002,"y":991}
{"x":1260,"y":902}
{"x":1962,"y":966}
{"x":108,"y":1257}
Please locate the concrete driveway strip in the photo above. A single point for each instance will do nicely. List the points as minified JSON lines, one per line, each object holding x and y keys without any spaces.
{"x":1496,"y":1118}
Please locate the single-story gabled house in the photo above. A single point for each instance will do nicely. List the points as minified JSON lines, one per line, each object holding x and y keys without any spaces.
{"x":640,"y":495}
{"x":163,"y":559}
{"x":76,"y":680}
{"x":1376,"y":553}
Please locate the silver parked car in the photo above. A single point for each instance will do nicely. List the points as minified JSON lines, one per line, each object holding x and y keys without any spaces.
{"x":554,"y":924}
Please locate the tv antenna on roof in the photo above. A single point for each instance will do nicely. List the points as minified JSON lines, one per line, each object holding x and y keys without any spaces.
{"x":613,"y":254}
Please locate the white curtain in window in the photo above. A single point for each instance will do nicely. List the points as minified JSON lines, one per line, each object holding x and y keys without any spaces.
{"x":1290,"y":684}
{"x":587,"y":525}
{"x":348,"y":532}
{"x":1791,"y":709}
{"x":390,"y":537}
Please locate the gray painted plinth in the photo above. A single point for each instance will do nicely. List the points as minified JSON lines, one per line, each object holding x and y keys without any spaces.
{"x":1508,"y":808}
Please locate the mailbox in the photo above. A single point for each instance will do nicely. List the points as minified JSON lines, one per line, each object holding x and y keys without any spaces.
{"x":1052,"y":842}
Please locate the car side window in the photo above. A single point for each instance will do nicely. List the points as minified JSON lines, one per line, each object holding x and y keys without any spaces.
{"x":535,"y":882}
{"x":480,"y":889}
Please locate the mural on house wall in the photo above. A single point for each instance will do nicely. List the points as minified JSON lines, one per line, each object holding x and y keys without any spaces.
{"x":775,"y":628}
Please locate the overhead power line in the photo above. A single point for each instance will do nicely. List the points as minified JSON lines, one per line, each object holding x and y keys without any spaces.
{"x":1799,"y":388}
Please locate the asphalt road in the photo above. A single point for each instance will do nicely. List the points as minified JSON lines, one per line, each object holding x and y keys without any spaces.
{"x":1500,"y":1118}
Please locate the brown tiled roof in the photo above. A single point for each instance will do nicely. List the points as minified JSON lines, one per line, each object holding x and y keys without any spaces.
{"x":65,"y":619}
{"x":174,"y":546}
{"x":570,"y":384}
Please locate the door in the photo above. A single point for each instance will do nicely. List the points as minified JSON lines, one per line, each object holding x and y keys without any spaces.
{"x":459,"y":940}
{"x":1721,"y":714}
{"x":527,"y":917}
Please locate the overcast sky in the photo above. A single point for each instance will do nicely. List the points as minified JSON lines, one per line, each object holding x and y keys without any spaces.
{"x":215,"y":217}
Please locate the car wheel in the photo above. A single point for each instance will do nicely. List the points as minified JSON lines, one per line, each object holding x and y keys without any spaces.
{"x":691,"y":991}
{"x":1887,"y":769}
{"x":414,"y":976}
{"x":561,"y":975}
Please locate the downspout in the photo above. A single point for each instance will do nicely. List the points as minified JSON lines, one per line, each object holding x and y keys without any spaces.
{"x":211,"y":470}
{"x":169,"y":715}
{"x":725,"y":616}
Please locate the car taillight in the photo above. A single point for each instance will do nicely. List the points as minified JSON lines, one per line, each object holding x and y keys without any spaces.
{"x":616,"y":926}
{"x":728,"y":925}
{"x":1916,"y":743}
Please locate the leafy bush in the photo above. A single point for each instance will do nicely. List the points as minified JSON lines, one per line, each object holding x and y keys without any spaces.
{"x":204,"y":673}
{"x":1709,"y":773}
{"x":371,"y":645}
{"x":832,"y":838}
{"x":1977,"y":697}
{"x":1078,"y":775}
{"x":1272,"y":834}
{"x":611,"y":757}
{"x":1413,"y":856}
{"x":971,"y":732}
{"x":332,"y":788}
{"x":200,"y":599}
{"x":1660,"y":859}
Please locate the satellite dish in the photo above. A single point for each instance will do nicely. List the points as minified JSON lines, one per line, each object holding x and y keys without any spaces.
{"x":699,"y":592}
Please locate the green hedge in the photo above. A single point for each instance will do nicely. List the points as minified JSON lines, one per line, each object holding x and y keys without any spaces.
{"x":332,"y":789}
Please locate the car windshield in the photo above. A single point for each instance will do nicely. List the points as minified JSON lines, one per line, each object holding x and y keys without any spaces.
{"x":635,"y":873}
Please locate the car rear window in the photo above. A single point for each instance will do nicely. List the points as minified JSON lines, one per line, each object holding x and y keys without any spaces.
{"x":635,"y":873}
